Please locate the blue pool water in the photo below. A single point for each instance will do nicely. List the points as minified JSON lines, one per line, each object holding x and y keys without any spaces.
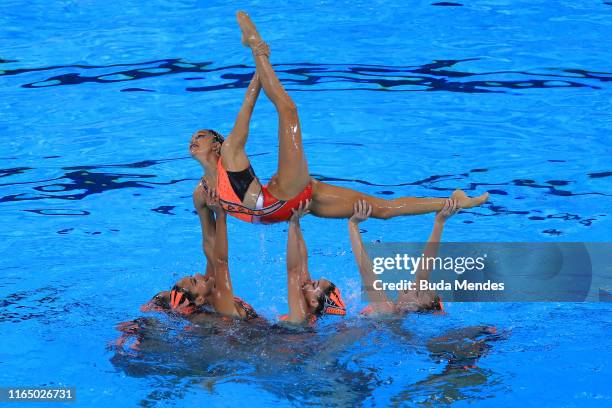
{"x":99,"y":100}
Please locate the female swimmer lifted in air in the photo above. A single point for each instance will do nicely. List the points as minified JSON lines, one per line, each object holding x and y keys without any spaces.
{"x":227,"y":167}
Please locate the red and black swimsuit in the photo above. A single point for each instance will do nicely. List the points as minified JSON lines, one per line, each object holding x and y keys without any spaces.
{"x":232,"y":187}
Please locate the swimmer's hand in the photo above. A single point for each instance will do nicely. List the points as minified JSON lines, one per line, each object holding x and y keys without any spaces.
{"x":361,"y":212}
{"x":212,"y":201}
{"x":451,"y":206}
{"x":302,"y":210}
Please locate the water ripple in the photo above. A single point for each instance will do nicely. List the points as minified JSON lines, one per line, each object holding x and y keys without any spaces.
{"x":439,"y":75}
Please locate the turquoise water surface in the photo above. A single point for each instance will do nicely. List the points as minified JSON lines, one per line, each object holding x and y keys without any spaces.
{"x":99,"y":100}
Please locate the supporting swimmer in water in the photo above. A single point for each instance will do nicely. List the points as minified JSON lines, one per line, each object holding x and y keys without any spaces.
{"x":408,"y":300}
{"x":308,"y":299}
{"x":198,"y":297}
{"x":227,"y":167}
{"x":201,"y":296}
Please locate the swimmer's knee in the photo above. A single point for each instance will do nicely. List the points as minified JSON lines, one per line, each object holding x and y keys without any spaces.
{"x":287,"y":106}
{"x":385,"y":214}
{"x":382,"y":212}
{"x":380,"y":206}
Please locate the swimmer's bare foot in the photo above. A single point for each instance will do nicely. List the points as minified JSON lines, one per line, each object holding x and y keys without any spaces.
{"x":469,"y":202}
{"x":250,"y":36}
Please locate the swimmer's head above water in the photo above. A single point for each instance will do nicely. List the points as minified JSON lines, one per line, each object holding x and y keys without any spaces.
{"x":323,"y":297}
{"x":186,"y":297}
{"x":205,"y":146}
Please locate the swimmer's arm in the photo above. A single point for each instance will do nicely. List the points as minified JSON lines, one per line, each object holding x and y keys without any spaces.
{"x":207,"y":224}
{"x":238,"y":136}
{"x":303,"y":253}
{"x":377,"y":298}
{"x":294,"y":255}
{"x":223,"y":291}
{"x":299,"y":253}
{"x":298,"y":309}
{"x":431,"y":250}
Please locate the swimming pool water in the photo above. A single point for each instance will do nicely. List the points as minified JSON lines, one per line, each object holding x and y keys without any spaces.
{"x":99,"y":100}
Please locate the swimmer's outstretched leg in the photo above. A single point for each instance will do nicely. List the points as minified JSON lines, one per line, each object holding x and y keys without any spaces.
{"x":331,"y":201}
{"x":292,"y":173}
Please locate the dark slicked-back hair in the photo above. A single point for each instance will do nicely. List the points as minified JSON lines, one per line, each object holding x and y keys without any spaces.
{"x":217,"y":136}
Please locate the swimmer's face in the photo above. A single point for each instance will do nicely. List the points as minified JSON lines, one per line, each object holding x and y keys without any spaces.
{"x":203,"y":145}
{"x":198,"y":287}
{"x":313,"y":290}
